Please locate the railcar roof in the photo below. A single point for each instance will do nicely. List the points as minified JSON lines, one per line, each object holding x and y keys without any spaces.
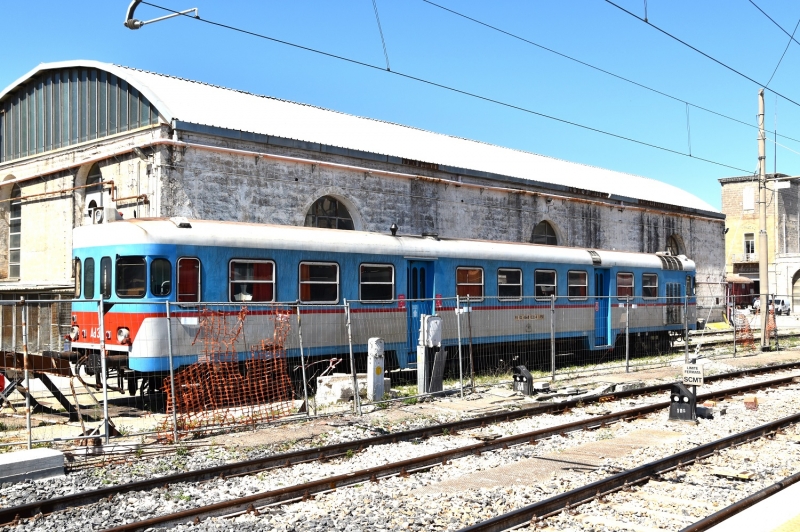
{"x":283,"y":237}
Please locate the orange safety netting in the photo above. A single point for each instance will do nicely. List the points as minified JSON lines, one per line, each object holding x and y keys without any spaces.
{"x":744,"y":334}
{"x":220,"y":391}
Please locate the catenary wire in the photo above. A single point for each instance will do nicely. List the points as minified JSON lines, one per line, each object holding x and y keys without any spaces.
{"x":791,"y":38}
{"x":717,"y":61}
{"x":448,"y":88}
{"x":596,"y":68}
{"x":773,"y":21}
{"x":380,"y":30}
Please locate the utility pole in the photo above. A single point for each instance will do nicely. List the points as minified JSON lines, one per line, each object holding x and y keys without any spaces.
{"x":763,"y":257}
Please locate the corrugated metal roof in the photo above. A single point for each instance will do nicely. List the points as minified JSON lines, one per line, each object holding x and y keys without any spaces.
{"x":209,"y":105}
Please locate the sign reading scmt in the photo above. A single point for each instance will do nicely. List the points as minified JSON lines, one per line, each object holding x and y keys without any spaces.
{"x":692,"y":375}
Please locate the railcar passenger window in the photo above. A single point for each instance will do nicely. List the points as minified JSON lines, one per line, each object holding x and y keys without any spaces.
{"x":376,"y":282}
{"x":469,"y":282}
{"x":509,"y":284}
{"x":88,"y":278}
{"x":649,"y":285}
{"x":624,"y":285}
{"x":577,"y":285}
{"x":76,"y":273}
{"x":252,"y":280}
{"x":319,"y":282}
{"x":105,"y":277}
{"x":160,"y":277}
{"x":131,"y":275}
{"x":188,"y":280}
{"x":544,"y":283}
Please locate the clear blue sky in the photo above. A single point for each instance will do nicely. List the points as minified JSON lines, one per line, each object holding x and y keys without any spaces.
{"x":427,"y":42}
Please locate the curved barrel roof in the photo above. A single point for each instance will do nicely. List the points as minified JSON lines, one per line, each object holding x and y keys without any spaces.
{"x":199,"y":103}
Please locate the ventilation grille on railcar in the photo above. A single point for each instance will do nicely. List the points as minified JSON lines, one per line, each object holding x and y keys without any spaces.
{"x":595,"y":257}
{"x":668,"y":262}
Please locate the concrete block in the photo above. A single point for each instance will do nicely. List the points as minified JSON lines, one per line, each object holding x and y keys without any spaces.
{"x":33,"y":464}
{"x":541,"y":386}
{"x":751,"y":402}
{"x":339,"y":387}
{"x":625,"y":386}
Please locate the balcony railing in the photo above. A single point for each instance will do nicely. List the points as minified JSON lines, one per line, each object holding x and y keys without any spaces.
{"x":744,"y":257}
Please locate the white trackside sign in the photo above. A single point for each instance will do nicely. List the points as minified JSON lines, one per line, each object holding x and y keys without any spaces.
{"x":692,"y":375}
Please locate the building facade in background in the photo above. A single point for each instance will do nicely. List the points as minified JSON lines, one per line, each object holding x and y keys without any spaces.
{"x":741,"y":207}
{"x":81,"y":141}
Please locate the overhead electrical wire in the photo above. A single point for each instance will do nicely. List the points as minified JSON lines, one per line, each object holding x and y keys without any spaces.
{"x":791,"y":36}
{"x":593,"y":67}
{"x":447,"y":87}
{"x":724,"y":65}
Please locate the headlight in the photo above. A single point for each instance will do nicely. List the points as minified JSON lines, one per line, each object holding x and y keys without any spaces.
{"x":74,"y":333}
{"x":123,"y":335}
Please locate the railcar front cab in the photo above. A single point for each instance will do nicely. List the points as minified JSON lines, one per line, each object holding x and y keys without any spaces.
{"x":133,"y":285}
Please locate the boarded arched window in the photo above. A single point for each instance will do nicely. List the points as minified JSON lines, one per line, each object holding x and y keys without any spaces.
{"x":330,"y":213}
{"x":544,"y":233}
{"x":675,"y":246}
{"x":14,"y":232}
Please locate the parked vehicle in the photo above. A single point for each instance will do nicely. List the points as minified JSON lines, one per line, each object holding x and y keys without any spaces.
{"x":139,"y":265}
{"x":780,"y":305}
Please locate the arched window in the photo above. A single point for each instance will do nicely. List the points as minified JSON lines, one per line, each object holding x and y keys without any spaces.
{"x":14,"y":232}
{"x":544,"y":233}
{"x":329,"y":212}
{"x":674,"y":245}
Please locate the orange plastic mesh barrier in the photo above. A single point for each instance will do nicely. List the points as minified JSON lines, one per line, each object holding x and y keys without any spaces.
{"x":772,"y":327}
{"x":219,"y":391}
{"x":744,"y":335}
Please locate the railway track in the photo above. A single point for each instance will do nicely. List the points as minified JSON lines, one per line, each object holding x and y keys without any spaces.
{"x":655,"y":492}
{"x":406,"y":467}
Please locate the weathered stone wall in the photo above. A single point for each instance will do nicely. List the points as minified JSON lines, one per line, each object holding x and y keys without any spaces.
{"x":207,"y":184}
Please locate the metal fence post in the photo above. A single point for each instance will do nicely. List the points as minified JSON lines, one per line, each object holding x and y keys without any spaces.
{"x":172,"y":377}
{"x":27,"y":370}
{"x":302,"y":362}
{"x":458,"y":326}
{"x":627,"y":334}
{"x":733,"y":320}
{"x":686,"y":328}
{"x":471,"y":358}
{"x":103,"y":366}
{"x":552,"y":337}
{"x":356,"y":397}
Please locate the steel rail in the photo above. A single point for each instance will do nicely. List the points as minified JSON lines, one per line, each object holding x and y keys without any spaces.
{"x":405,"y":467}
{"x":35,"y":508}
{"x":584,"y":494}
{"x":739,"y":506}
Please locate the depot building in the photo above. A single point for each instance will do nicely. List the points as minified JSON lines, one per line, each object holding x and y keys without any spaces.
{"x":81,"y":141}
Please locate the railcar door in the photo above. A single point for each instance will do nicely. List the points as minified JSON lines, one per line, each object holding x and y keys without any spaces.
{"x":602,"y":307}
{"x":420,"y":301}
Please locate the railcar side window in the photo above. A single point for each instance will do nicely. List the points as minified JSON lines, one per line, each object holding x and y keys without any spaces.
{"x":76,"y":273}
{"x":544,"y":283}
{"x":469,"y":282}
{"x":88,"y":278}
{"x":160,"y":277}
{"x":319,"y":282}
{"x":252,"y":280}
{"x":376,"y":282}
{"x":188,"y":280}
{"x":577,"y":285}
{"x":624,"y":285}
{"x":131,"y":275}
{"x":105,"y":277}
{"x":509,"y":284}
{"x":649,"y":285}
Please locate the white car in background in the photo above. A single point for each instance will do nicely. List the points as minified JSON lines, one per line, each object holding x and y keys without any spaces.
{"x":781,"y":305}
